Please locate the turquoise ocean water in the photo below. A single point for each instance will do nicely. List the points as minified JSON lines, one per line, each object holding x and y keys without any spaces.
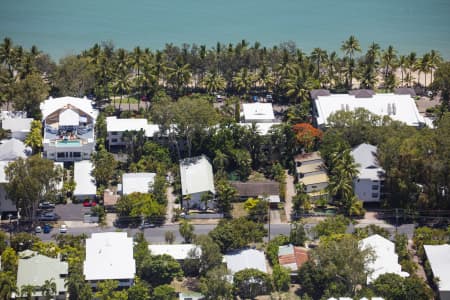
{"x":62,"y":27}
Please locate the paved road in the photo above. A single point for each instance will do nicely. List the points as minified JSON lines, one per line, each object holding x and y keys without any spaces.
{"x":156,"y":235}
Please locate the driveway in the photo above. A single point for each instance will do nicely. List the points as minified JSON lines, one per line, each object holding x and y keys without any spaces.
{"x":290,"y":193}
{"x":71,"y":211}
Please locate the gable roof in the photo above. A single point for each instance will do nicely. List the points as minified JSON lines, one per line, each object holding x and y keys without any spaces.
{"x":53,"y":104}
{"x":362,"y":93}
{"x":365,"y":156}
{"x":69,"y":117}
{"x":137,"y":182}
{"x":245,"y":259}
{"x":196,"y":175}
{"x":85,"y":183}
{"x":113,"y":124}
{"x":439,"y":258}
{"x":398,"y":107}
{"x":13,"y":149}
{"x":177,"y":251}
{"x":17,"y":124}
{"x":109,"y":255}
{"x":34,"y":269}
{"x":256,"y":188}
{"x":386,"y":260}
{"x":258,"y":111}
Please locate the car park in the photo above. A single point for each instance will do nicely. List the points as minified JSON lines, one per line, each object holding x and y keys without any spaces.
{"x":49,"y":216}
{"x":63,"y":228}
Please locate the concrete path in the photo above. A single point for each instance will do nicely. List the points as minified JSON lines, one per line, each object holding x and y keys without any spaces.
{"x":290,"y":193}
{"x":170,"y":205}
{"x":275,"y":216}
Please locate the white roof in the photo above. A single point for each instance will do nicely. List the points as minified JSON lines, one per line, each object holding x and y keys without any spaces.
{"x":69,"y":117}
{"x":258,"y":111}
{"x":380,"y":104}
{"x":365,"y":156}
{"x":13,"y":149}
{"x":109,"y":255}
{"x":439,"y":258}
{"x":386,"y":260}
{"x":246,"y":259}
{"x":53,"y":104}
{"x":85,"y":183}
{"x":262,"y":128}
{"x":137,"y":182}
{"x":178,"y":252}
{"x":17,"y":124}
{"x":196,"y":175}
{"x":120,"y":125}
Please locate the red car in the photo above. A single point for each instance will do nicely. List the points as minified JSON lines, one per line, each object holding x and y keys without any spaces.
{"x":89,"y":203}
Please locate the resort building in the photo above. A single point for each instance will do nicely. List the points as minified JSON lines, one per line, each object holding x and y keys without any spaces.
{"x":137,"y":183}
{"x":34,"y":269}
{"x":399,"y":107}
{"x":17,"y":123}
{"x":439,"y":258}
{"x":311,"y":172}
{"x":10,"y":150}
{"x":260,"y":114}
{"x":179,"y":252}
{"x":386,"y":260}
{"x":115,"y":129}
{"x":197,"y":182}
{"x":69,"y":125}
{"x":85,"y":187}
{"x":369,"y":180}
{"x":109,"y":255}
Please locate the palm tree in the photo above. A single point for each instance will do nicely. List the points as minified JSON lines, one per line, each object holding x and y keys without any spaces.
{"x":7,"y":54}
{"x":220,"y":162}
{"x":135,"y":60}
{"x":350,"y":47}
{"x":179,"y":76}
{"x":122,"y":86}
{"x":26,"y":291}
{"x":389,"y":59}
{"x":423,"y":66}
{"x":49,"y":288}
{"x":412,"y":66}
{"x":298,"y":84}
{"x":319,"y":56}
{"x":243,"y":81}
{"x":7,"y":285}
{"x":435,"y":60}
{"x":266,"y":77}
{"x":213,"y":82}
{"x":402,"y":63}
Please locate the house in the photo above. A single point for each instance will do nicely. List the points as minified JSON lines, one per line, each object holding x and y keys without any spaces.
{"x":34,"y":269}
{"x":197,"y":180}
{"x":369,"y":181}
{"x":292,"y":257}
{"x":256,"y":189}
{"x":116,"y":127}
{"x":137,"y":183}
{"x":10,"y":150}
{"x":179,"y":252}
{"x":311,"y":172}
{"x":85,"y":187}
{"x":245,"y":259}
{"x":439,"y":258}
{"x":190,"y":296}
{"x":17,"y":123}
{"x":399,"y":107}
{"x":69,"y":125}
{"x":386,"y":260}
{"x":257,"y":113}
{"x":109,"y":255}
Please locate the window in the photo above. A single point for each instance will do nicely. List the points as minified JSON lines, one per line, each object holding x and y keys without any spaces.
{"x":114,"y":141}
{"x":114,"y":133}
{"x":61,"y":155}
{"x":375,"y":187}
{"x":374,"y":195}
{"x":77,"y":154}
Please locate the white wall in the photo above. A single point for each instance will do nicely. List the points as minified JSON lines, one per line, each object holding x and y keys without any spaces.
{"x":316,"y":187}
{"x":364,"y":191}
{"x":195,"y":201}
{"x":5,"y":203}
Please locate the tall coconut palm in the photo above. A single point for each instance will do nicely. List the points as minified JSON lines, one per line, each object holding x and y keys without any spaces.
{"x":49,"y":288}
{"x":136,"y":59}
{"x":412,"y":66}
{"x":266,"y":78}
{"x":7,"y":54}
{"x":179,"y":77}
{"x":298,"y":84}
{"x":389,"y":60}
{"x":243,"y":81}
{"x":319,"y":56}
{"x":213,"y":82}
{"x":26,"y":291}
{"x":424,"y":66}
{"x":402,"y":63}
{"x":350,"y":47}
{"x":435,"y":60}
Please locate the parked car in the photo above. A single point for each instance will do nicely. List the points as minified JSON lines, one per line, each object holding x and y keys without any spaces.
{"x":46,"y":205}
{"x":146,"y":225}
{"x":47,"y":228}
{"x":63,"y":228}
{"x":38,"y":229}
{"x":88,"y":203}
{"x":49,"y":216}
